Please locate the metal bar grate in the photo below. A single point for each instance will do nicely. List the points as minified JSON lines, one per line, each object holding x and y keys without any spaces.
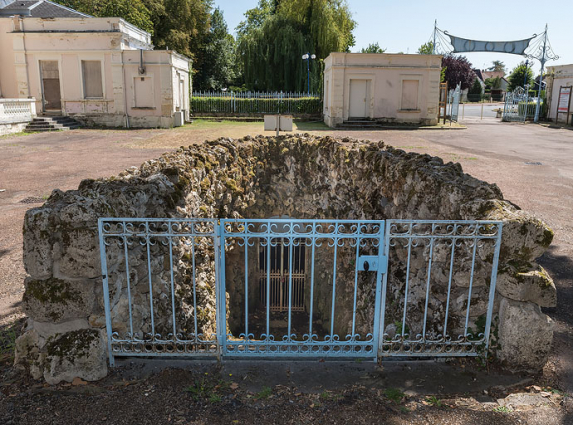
{"x":296,"y":288}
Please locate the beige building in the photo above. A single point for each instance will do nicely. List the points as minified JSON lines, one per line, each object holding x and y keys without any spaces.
{"x":100,"y":71}
{"x":382,"y":87}
{"x":557,"y":77}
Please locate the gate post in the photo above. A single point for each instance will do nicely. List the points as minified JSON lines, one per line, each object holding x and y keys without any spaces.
{"x":103,"y":259}
{"x":220,"y":288}
{"x":381,"y":282}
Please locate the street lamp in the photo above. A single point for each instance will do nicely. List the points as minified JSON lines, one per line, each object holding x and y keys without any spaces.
{"x":307,"y":57}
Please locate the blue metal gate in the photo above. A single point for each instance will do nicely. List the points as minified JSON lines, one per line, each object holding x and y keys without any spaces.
{"x":320,"y":329}
{"x":298,"y":288}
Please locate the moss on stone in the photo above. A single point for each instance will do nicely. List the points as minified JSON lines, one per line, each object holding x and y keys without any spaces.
{"x":205,"y":184}
{"x":232,"y":185}
{"x":547,"y":238}
{"x":51,"y":291}
{"x":71,"y":345}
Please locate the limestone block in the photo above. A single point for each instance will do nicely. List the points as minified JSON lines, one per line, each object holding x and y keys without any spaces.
{"x":27,"y":354}
{"x":525,"y":335}
{"x":77,"y":253}
{"x":97,"y":321}
{"x":56,"y":300}
{"x":524,"y":237}
{"x":38,"y":243}
{"x":49,"y":329}
{"x":529,"y":282}
{"x":478,"y":305}
{"x":80,"y":353}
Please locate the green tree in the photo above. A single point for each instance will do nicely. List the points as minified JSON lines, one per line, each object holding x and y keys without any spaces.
{"x":255,"y":17}
{"x":426,"y":49}
{"x":373,"y":48}
{"x":520,"y":75}
{"x":133,"y":11}
{"x":475,"y":87}
{"x":493,"y":83}
{"x":218,"y":65}
{"x":183,"y":25}
{"x":275,"y":35}
{"x":497,"y":66}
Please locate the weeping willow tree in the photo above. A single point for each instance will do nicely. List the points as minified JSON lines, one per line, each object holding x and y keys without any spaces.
{"x":276,"y":35}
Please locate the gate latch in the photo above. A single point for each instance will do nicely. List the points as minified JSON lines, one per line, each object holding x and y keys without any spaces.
{"x":371,"y":263}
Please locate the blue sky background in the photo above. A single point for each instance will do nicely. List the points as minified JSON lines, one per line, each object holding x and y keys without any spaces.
{"x":407,"y":24}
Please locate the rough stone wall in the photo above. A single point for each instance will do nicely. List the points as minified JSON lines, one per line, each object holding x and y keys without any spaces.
{"x":297,"y":176}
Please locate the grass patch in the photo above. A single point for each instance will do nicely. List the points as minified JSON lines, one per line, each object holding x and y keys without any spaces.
{"x":199,"y":124}
{"x":202,"y":124}
{"x":502,"y":409}
{"x":264,"y":393}
{"x":310,"y":126}
{"x":394,"y":394}
{"x":203,"y":389}
{"x":328,"y":395}
{"x":19,"y":134}
{"x":434,"y":401}
{"x":8,"y":335}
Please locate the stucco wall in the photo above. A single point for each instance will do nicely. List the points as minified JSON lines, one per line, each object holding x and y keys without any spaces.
{"x":105,"y":40}
{"x":558,"y":76}
{"x":385,"y":73}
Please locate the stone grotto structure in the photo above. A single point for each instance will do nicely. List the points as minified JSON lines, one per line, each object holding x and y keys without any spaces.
{"x":298,"y":176}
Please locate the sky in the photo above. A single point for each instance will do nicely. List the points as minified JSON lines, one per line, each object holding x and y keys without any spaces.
{"x":403,"y":26}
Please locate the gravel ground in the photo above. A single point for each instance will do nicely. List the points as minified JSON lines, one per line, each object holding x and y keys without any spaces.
{"x":208,"y":396}
{"x":531,"y":164}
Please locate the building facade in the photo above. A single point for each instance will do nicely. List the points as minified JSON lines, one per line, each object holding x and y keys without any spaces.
{"x":382,"y":87}
{"x":558,"y":77}
{"x":100,"y":71}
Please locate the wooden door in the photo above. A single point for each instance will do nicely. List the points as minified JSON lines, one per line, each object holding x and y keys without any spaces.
{"x":50,"y":76}
{"x":358,"y":99}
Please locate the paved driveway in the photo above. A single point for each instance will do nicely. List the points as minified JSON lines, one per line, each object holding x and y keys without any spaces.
{"x":473,"y":111}
{"x":531,"y":164}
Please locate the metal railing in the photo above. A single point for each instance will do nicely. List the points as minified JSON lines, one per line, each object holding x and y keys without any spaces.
{"x":449,"y":268}
{"x":17,"y":110}
{"x":346,"y":288}
{"x":252,"y":103}
{"x":519,"y":106}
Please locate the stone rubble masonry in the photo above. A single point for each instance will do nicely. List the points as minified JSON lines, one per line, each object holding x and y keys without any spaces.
{"x":300,"y":176}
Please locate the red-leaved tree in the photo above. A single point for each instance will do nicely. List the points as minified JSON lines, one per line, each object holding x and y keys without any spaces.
{"x":458,"y":70}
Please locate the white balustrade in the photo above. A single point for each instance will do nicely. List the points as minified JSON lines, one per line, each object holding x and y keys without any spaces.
{"x":17,"y":110}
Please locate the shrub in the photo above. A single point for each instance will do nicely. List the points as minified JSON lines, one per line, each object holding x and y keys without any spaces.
{"x":302,"y":105}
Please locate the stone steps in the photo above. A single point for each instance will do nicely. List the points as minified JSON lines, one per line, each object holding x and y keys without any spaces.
{"x":52,"y":124}
{"x":360,"y":124}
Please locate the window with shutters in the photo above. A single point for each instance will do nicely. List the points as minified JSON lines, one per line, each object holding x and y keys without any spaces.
{"x":93,"y":84}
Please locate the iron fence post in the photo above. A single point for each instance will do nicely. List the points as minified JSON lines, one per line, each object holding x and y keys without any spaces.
{"x":492,"y":285}
{"x":103,"y":260}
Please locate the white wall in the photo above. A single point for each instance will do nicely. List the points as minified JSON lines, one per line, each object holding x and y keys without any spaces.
{"x":20,"y":76}
{"x":386,"y":75}
{"x":558,"y":76}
